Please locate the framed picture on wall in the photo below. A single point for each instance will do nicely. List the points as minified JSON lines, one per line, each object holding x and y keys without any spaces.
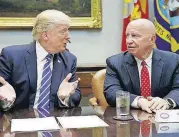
{"x":21,"y":13}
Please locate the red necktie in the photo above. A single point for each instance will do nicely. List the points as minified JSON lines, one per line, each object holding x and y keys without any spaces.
{"x":145,"y":128}
{"x":145,"y":81}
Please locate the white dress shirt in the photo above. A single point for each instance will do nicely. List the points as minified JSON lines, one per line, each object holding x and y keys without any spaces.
{"x":41,"y":60}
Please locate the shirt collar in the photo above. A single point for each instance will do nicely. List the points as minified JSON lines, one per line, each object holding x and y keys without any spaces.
{"x":147,"y":60}
{"x":40,"y":51}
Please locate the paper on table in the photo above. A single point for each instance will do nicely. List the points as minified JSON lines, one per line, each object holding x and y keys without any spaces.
{"x":81,"y":122}
{"x":34,"y":124}
{"x":167,"y":116}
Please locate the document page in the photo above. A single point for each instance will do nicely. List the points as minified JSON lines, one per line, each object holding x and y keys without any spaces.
{"x":81,"y":122}
{"x":34,"y":124}
{"x":167,"y":116}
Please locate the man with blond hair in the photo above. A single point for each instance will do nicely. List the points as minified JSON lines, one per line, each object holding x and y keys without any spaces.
{"x":42,"y":73}
{"x":150,"y":75}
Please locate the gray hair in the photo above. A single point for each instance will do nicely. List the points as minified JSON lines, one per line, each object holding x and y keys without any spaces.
{"x":48,"y":19}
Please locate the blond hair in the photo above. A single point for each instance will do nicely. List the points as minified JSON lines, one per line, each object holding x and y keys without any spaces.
{"x":48,"y":19}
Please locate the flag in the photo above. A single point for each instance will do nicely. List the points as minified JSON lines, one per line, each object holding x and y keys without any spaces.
{"x":166,"y":22}
{"x":133,"y":9}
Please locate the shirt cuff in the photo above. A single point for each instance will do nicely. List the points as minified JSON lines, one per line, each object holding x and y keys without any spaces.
{"x":65,"y":101}
{"x":134,"y":103}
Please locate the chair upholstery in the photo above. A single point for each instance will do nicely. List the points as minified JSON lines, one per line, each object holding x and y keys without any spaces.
{"x":97,"y":89}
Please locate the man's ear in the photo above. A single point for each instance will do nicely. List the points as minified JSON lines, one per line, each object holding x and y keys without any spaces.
{"x":44,"y":35}
{"x":152,"y":39}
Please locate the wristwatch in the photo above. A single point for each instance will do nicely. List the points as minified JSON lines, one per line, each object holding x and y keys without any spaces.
{"x":170,"y":103}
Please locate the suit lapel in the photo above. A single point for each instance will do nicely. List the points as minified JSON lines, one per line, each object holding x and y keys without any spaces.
{"x":31,"y":64}
{"x":157,"y":68}
{"x":131,"y":67}
{"x":58,"y":73}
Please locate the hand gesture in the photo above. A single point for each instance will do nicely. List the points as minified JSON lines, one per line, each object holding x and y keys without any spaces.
{"x":67,"y":88}
{"x":7,"y":92}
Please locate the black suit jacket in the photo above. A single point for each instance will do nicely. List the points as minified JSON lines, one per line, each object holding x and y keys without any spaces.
{"x":18,"y":66}
{"x":122,"y":74}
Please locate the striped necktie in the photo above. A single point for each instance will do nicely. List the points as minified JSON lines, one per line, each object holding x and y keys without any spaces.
{"x":44,"y":113}
{"x":44,"y":97}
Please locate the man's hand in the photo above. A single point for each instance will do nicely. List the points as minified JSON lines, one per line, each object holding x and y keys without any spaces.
{"x":144,"y":104}
{"x":158,"y":103}
{"x":7,"y":92}
{"x":66,"y":88}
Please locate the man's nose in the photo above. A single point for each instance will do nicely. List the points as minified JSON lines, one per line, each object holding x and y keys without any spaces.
{"x":67,"y":33}
{"x":129,"y":40}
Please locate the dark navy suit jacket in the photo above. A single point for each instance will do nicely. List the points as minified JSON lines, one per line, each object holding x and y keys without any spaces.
{"x":122,"y":74}
{"x":18,"y":66}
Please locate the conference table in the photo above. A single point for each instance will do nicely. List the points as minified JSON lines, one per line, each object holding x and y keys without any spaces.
{"x":116,"y":128}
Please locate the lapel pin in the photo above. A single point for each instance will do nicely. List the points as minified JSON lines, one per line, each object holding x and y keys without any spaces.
{"x":59,"y":61}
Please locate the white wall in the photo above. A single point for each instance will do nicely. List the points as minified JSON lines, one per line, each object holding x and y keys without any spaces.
{"x":94,"y":46}
{"x":89,"y":45}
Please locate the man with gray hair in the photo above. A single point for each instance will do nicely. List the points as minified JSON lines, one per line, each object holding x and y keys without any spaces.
{"x":41,"y":74}
{"x":151,"y":76}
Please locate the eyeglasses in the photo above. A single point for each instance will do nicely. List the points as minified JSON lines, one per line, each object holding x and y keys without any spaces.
{"x":64,"y":31}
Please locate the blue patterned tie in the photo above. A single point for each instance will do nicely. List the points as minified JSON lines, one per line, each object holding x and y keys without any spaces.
{"x":44,"y":113}
{"x":44,"y":98}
